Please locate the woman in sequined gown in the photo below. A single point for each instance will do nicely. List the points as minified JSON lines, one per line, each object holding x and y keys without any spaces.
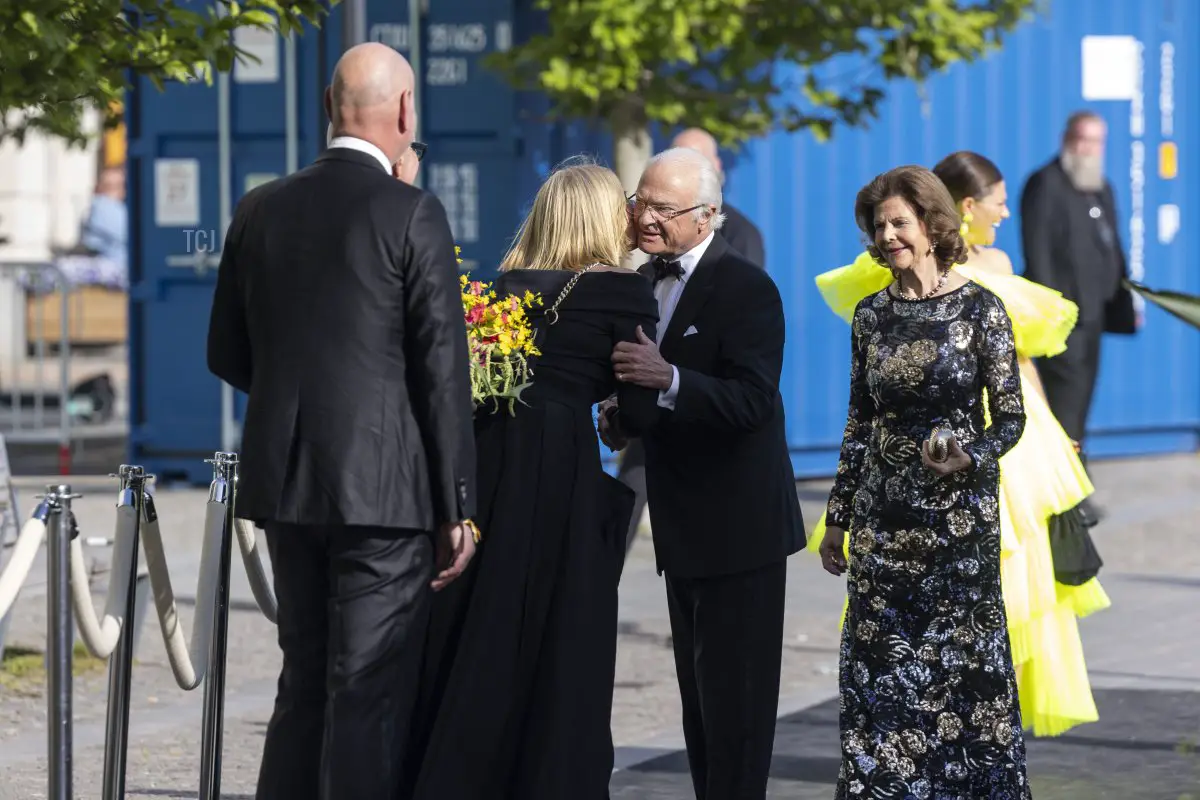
{"x":928,"y":694}
{"x":1042,"y":480}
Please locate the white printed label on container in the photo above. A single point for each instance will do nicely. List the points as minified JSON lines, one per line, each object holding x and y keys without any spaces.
{"x":256,"y":179}
{"x":176,"y":192}
{"x":263,"y":45}
{"x":1111,"y":67}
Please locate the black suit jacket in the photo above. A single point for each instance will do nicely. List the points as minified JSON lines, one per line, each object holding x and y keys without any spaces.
{"x":719,"y":478}
{"x":743,"y":236}
{"x":337,"y":309}
{"x":1062,"y":249}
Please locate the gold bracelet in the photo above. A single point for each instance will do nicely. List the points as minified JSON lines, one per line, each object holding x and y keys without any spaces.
{"x":475,"y":532}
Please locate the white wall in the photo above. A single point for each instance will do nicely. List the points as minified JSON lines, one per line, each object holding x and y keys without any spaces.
{"x":45,"y":189}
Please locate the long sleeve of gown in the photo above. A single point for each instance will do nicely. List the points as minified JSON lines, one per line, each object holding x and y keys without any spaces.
{"x":856,"y":439}
{"x":1002,"y":380}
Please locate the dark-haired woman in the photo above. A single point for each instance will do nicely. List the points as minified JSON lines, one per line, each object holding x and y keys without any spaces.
{"x":1042,"y":481}
{"x":929,"y":704}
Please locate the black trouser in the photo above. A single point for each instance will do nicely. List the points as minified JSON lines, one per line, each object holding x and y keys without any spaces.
{"x":1070,"y":378}
{"x":353,"y":612}
{"x":727,"y":631}
{"x":632,"y":473}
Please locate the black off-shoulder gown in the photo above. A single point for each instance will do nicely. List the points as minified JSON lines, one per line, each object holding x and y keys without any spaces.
{"x":518,"y":676}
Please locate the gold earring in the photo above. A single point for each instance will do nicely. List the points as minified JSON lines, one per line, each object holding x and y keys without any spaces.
{"x":963,"y":229}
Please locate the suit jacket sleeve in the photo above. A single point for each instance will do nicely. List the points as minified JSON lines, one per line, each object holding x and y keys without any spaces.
{"x":751,"y":246}
{"x":637,"y":406}
{"x":436,"y":353}
{"x":1121,"y":313}
{"x":1110,"y":200}
{"x":229,"y":356}
{"x":739,"y":396}
{"x":743,"y":236}
{"x":1037,"y":232}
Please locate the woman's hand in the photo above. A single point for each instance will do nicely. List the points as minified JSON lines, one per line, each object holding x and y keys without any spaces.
{"x":831,"y":550}
{"x":956,"y":459}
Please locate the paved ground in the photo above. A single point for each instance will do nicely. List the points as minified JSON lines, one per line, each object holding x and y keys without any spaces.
{"x":1144,"y":655}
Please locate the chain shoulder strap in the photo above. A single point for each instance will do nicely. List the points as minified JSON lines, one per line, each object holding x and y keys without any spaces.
{"x":552,"y":312}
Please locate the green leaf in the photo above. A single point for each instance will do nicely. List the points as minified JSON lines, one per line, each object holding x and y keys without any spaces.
{"x":60,"y":57}
{"x":715,"y":63}
{"x":30,"y":21}
{"x":258,"y":18}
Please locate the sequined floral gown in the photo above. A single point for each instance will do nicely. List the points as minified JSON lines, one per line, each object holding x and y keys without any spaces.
{"x":928,"y":695}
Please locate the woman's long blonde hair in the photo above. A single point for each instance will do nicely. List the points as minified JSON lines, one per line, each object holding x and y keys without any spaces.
{"x":579,"y":217}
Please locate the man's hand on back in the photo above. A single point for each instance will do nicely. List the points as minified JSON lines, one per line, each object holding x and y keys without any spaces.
{"x":455,"y":548}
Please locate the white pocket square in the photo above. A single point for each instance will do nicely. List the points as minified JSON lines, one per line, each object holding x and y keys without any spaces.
{"x":691,"y":329}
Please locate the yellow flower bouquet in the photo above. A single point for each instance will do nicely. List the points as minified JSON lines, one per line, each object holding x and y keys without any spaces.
{"x":501,"y":342}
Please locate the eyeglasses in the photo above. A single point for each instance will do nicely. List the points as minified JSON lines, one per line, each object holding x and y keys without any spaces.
{"x":419,"y":149}
{"x":659,"y":213}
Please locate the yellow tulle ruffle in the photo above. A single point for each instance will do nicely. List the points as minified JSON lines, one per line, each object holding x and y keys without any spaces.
{"x":1041,"y":318}
{"x":1040,"y":477}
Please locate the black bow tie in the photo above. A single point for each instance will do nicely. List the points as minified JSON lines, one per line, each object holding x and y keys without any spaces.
{"x":664,"y":268}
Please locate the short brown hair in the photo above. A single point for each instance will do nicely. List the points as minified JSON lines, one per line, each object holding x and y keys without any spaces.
{"x":929,"y":197}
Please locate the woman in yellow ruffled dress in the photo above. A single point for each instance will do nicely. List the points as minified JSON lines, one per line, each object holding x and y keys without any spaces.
{"x":1042,"y":481}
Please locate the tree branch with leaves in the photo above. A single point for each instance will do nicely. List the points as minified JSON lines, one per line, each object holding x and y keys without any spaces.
{"x":716,"y":64}
{"x":57,"y":57}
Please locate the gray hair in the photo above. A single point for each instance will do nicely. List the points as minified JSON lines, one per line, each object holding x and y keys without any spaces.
{"x":708,"y":191}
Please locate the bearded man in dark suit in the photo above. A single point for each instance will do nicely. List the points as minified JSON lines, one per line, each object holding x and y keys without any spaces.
{"x":1071,"y":240}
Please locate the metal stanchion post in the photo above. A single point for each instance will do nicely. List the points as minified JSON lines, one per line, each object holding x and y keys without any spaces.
{"x":223,"y":490}
{"x":60,"y":638}
{"x":120,"y":663}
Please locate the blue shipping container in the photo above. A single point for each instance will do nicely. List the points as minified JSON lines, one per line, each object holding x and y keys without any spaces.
{"x":195,"y":150}
{"x":490,"y":147}
{"x":1136,"y":64}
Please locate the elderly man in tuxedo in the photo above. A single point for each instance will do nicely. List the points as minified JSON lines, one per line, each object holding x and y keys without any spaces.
{"x":722,"y":494}
{"x":744,"y":237}
{"x":337,"y":310}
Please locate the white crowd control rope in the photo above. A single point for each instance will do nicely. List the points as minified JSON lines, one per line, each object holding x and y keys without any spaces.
{"x":188,"y":660}
{"x":100,"y":636}
{"x":198,"y":659}
{"x":24,"y":553}
{"x":186,"y":655}
{"x":256,"y":573}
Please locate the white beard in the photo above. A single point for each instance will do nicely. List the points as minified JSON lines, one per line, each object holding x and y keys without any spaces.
{"x":1086,"y":172}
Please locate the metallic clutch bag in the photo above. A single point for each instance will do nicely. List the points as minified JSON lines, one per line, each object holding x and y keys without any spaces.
{"x":939,"y":443}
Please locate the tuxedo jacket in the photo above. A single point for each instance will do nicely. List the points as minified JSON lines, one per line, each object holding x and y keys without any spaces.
{"x":719,"y":478}
{"x":743,"y":236}
{"x":338,"y":311}
{"x":1063,"y":251}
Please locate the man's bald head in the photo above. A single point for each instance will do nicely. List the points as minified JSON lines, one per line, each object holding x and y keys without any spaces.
{"x":371,"y":98}
{"x":702,"y":142}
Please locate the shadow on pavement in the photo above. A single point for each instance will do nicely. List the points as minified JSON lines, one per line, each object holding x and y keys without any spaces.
{"x":1146,"y":746}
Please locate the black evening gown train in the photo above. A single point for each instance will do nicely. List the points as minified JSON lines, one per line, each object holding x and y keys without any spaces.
{"x":518,"y":677}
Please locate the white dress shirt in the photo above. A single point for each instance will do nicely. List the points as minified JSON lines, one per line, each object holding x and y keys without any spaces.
{"x":362,"y":146}
{"x":667,"y":292}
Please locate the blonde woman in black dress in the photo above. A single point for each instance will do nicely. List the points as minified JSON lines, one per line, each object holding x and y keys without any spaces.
{"x":517,"y":686}
{"x":929,"y":703}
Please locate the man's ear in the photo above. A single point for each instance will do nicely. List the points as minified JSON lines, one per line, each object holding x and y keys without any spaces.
{"x":406,"y":100}
{"x":329,"y":103}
